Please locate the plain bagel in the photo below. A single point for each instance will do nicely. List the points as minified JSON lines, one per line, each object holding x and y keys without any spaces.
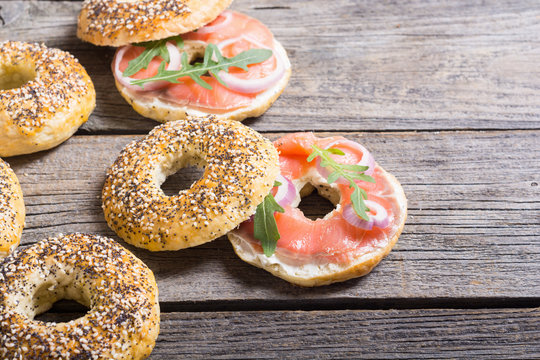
{"x":239,"y":170}
{"x":119,"y":289}
{"x":118,"y":23}
{"x":45,"y":95}
{"x":12,"y":210}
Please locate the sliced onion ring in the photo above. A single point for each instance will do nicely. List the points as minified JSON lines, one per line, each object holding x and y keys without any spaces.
{"x":367,"y":159}
{"x":250,"y":86}
{"x":213,"y":28}
{"x":174,"y":64}
{"x":380,"y":219}
{"x":286,"y":192}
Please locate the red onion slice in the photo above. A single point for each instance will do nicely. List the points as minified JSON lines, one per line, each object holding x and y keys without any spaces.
{"x":367,"y":159}
{"x":174,"y":64}
{"x":250,"y":86}
{"x":213,"y":28}
{"x":286,"y":192}
{"x":380,"y":219}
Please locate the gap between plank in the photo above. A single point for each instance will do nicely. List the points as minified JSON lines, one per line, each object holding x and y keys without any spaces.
{"x":82,"y":132}
{"x":327,"y":304}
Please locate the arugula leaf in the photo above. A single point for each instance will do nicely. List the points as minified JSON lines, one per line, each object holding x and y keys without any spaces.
{"x":213,"y":63}
{"x":265,"y":227}
{"x":152,"y":49}
{"x":349,"y":173}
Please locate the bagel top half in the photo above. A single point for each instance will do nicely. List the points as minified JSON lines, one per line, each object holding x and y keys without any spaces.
{"x":122,"y":22}
{"x":239,"y":165}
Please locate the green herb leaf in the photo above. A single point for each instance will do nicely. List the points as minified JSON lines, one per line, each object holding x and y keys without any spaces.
{"x":349,"y":173}
{"x":265,"y":227}
{"x":213,"y":63}
{"x":152,"y":49}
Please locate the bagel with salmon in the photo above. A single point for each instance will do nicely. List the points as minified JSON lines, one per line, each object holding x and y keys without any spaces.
{"x":369,"y":215}
{"x":45,"y":95}
{"x":188,"y":58}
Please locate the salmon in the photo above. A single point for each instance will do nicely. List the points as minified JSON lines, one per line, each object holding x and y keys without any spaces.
{"x":240,"y":24}
{"x":219,"y":99}
{"x":133,"y":52}
{"x":331,"y":239}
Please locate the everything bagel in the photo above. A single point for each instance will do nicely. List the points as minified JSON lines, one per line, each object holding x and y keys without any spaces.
{"x":239,"y":170}
{"x":123,"y":320}
{"x":118,"y":23}
{"x":45,"y":95}
{"x":12,"y":210}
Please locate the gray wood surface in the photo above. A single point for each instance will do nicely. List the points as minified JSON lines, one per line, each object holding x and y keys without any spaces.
{"x":371,"y":334}
{"x":472,"y":231}
{"x":357,"y":65}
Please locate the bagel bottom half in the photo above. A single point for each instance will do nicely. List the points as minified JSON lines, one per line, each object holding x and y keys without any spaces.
{"x":154,"y":107}
{"x":317,"y":273}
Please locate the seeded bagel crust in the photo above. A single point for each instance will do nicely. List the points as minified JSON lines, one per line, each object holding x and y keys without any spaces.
{"x":12,"y":210}
{"x":120,"y":290}
{"x":118,"y":23}
{"x":48,"y":109}
{"x":239,"y":170}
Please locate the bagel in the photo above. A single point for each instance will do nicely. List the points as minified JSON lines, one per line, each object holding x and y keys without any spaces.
{"x":118,"y":23}
{"x":159,"y":109}
{"x":119,"y":289}
{"x":239,"y":170}
{"x":240,"y":95}
{"x":45,"y":95}
{"x":339,"y":246}
{"x":12,"y":210}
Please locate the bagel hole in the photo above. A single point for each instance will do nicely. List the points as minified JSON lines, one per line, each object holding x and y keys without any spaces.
{"x":63,"y":311}
{"x":317,"y":204}
{"x":51,"y":299}
{"x":181,"y":180}
{"x":15,"y":76}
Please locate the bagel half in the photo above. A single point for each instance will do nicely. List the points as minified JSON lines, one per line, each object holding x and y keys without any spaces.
{"x":46,"y":109}
{"x":118,"y":23}
{"x":317,"y":274}
{"x":239,"y":170}
{"x":161,"y":110}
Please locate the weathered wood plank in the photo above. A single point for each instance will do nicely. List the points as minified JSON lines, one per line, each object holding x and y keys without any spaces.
{"x":358,"y":65}
{"x":473,"y":228}
{"x":374,"y":334}
{"x":512,"y":333}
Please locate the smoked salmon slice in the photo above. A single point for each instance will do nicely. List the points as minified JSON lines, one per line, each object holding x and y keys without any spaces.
{"x":331,"y":239}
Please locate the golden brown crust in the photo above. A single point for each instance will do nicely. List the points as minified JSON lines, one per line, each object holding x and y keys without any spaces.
{"x":163,"y":111}
{"x":240,"y":168}
{"x":317,"y":275}
{"x":123,"y":320}
{"x":118,"y":23}
{"x":12,"y":210}
{"x":49,"y":108}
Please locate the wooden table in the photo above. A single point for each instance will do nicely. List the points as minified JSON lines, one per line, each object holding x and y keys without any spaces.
{"x":447,"y":97}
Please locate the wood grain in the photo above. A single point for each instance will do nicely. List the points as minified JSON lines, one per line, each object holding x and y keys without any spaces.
{"x":379,"y":334}
{"x":472,"y":232}
{"x":357,"y":65}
